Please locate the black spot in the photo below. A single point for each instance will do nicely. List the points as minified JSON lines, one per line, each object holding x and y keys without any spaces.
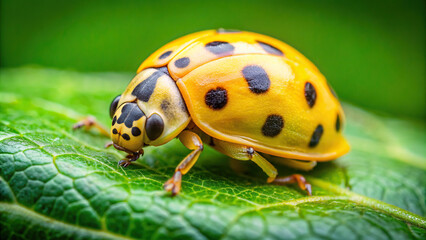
{"x":216,"y":98}
{"x":126,"y":136}
{"x":114,"y":120}
{"x":338,"y":123}
{"x":316,"y":136}
{"x":165,"y":106}
{"x":136,"y":131}
{"x":114,"y":131}
{"x":124,"y":112}
{"x":256,"y":78}
{"x":134,"y":115}
{"x":310,"y":94}
{"x":113,"y":106}
{"x":164,"y":70}
{"x":222,"y":30}
{"x":130,"y":113}
{"x":273,"y":125}
{"x":182,"y":62}
{"x":144,"y":90}
{"x":154,"y":126}
{"x":332,"y":91}
{"x":165,"y":55}
{"x":270,"y":49}
{"x":220,"y":47}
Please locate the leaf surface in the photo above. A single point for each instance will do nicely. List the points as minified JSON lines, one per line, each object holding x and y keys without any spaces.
{"x":62,"y":184}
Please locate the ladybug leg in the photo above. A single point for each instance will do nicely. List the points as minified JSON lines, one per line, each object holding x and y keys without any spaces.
{"x":244,"y":153}
{"x":108,"y":144}
{"x":241,"y":152}
{"x":192,"y":141}
{"x":131,"y":156}
{"x":90,"y":122}
{"x":295,"y":178}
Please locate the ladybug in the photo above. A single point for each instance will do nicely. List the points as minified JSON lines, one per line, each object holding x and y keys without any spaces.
{"x":247,"y":95}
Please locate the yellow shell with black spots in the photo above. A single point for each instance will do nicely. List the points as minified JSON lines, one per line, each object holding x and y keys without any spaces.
{"x":254,"y":90}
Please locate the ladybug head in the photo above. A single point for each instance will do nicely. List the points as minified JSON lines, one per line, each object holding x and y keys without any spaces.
{"x":128,"y":122}
{"x":151,"y":111}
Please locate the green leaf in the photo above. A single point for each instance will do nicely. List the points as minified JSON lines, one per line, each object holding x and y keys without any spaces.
{"x":58,"y":183}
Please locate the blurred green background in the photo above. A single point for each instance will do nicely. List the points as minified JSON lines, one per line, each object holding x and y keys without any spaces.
{"x":372,"y":52}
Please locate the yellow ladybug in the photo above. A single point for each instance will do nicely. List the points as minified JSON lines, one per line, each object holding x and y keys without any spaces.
{"x":247,"y":95}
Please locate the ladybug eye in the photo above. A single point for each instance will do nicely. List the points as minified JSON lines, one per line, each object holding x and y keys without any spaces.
{"x":113,"y":106}
{"x":154,"y":126}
